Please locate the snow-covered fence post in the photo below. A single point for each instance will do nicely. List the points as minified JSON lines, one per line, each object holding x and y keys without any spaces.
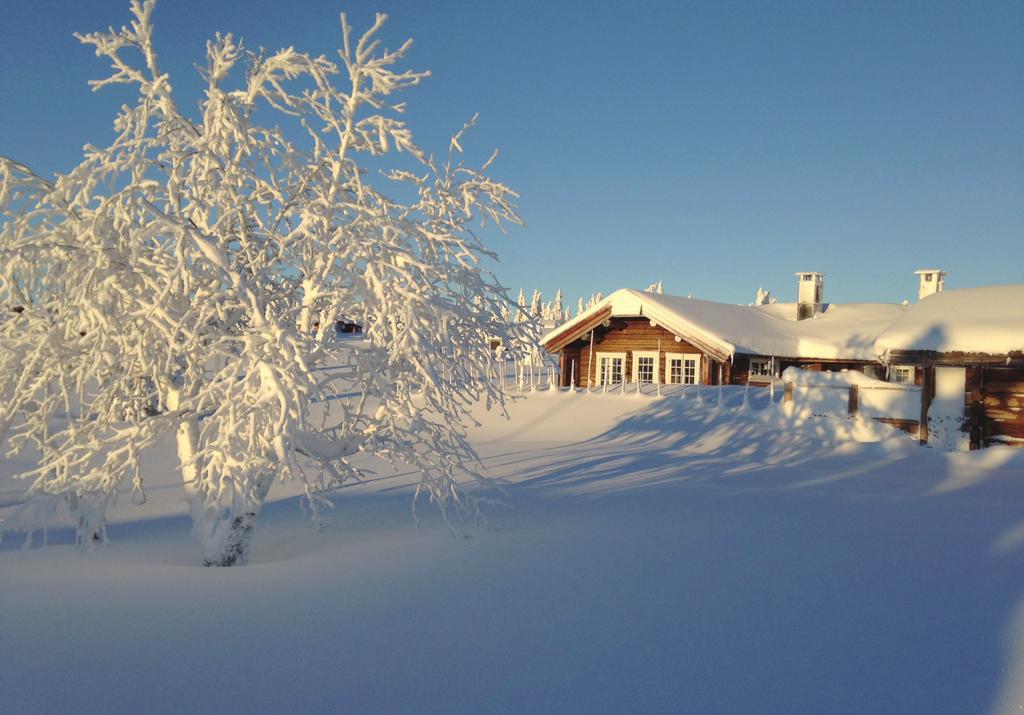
{"x":853,"y":401}
{"x":659,"y":364}
{"x":590,"y":363}
{"x":572,"y":375}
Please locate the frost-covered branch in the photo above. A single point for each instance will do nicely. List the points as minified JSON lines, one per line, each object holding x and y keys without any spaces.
{"x":184,"y":282}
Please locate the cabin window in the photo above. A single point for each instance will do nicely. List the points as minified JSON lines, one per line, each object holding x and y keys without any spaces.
{"x":760,"y":367}
{"x":675,"y":371}
{"x":683,"y":369}
{"x":902,"y":373}
{"x":645,"y":365}
{"x":609,"y":368}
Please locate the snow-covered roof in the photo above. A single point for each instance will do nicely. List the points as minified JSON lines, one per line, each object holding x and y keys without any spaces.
{"x":987,"y":320}
{"x":839,"y":332}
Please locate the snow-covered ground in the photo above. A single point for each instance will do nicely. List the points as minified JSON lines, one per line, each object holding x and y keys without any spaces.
{"x":652,"y":555}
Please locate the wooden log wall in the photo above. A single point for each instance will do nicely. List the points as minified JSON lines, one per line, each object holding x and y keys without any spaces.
{"x":627,"y":335}
{"x":569,"y":366}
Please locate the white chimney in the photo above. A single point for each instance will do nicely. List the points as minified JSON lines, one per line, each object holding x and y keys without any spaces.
{"x":931,"y":282}
{"x":810,"y":287}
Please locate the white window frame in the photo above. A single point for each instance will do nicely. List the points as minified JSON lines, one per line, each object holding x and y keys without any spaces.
{"x":895,"y":371}
{"x":683,"y":357}
{"x":765,"y":376}
{"x":637,"y":354}
{"x":600,"y":373}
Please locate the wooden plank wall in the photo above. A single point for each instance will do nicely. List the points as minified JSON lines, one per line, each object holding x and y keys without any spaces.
{"x":994,"y":405}
{"x":626,"y":335}
{"x":739,"y":371}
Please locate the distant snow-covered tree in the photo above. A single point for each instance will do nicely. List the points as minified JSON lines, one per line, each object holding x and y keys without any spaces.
{"x":557,"y":307}
{"x":185,"y":281}
{"x":536,"y":301}
{"x":580,"y":307}
{"x":763,"y":297}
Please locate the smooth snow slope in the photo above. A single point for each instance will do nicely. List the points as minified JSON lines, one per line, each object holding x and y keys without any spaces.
{"x":656,"y":555}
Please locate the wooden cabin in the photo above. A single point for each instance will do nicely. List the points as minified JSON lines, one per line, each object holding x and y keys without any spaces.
{"x":968,"y":348}
{"x":634,"y":336}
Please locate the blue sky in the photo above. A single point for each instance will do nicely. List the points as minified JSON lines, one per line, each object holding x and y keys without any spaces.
{"x":717,"y":146}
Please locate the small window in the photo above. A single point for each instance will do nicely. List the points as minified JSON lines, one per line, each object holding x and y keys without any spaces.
{"x":645,"y":366}
{"x":683,"y":369}
{"x":927,"y":277}
{"x":675,"y":371}
{"x":760,"y":367}
{"x":645,"y":369}
{"x":807,"y":277}
{"x":902,"y":374}
{"x":689,"y":371}
{"x":609,"y":368}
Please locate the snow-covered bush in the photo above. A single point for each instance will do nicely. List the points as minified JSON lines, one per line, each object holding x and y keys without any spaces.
{"x":185,"y":281}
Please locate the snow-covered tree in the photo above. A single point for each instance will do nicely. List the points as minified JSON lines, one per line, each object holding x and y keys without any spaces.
{"x":557,"y":308}
{"x":580,"y":307}
{"x":536,"y":302}
{"x":185,"y":281}
{"x":763,"y":297}
{"x":567,"y":315}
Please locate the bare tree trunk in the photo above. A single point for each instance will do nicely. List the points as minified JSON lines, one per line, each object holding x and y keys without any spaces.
{"x":224,"y":523}
{"x":227,"y":535}
{"x":91,"y":512}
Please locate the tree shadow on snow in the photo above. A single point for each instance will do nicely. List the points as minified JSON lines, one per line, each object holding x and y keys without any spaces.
{"x":857,"y":577}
